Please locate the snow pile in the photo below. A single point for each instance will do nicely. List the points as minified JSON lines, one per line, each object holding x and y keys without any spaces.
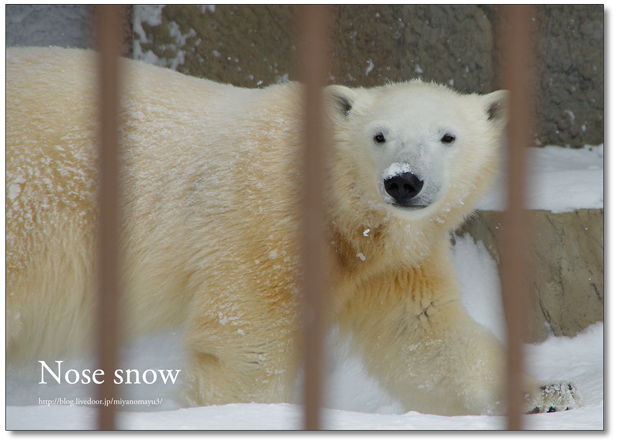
{"x":478,"y":273}
{"x":560,"y":180}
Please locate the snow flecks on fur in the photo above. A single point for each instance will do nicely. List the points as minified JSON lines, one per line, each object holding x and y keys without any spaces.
{"x":41,"y":183}
{"x":225,"y":319}
{"x":15,"y":188}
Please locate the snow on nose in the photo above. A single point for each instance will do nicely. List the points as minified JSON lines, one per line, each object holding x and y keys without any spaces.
{"x":400,"y":183}
{"x":396,"y":169}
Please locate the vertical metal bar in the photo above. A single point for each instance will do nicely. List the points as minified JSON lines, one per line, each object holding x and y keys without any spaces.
{"x":108,"y":46}
{"x":516,"y":47}
{"x":313,"y":68}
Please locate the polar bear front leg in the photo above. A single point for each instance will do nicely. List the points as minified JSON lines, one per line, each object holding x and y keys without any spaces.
{"x":432,"y":357}
{"x":442,"y":362}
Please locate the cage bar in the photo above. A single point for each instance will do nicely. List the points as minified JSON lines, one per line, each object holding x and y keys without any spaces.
{"x":516,"y":45}
{"x":313,"y":68}
{"x":108,"y":33}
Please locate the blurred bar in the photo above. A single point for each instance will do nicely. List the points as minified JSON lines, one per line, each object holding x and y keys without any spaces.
{"x":313,"y":68}
{"x":108,"y":34}
{"x":516,"y":47}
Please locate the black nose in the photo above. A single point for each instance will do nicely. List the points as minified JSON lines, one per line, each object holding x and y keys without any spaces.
{"x":403,"y":187}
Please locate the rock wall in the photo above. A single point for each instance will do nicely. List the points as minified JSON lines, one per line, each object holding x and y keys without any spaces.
{"x":565,"y":267}
{"x":254,"y":45}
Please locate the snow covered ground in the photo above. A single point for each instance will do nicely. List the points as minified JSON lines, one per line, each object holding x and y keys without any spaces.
{"x":560,"y":180}
{"x":354,"y":401}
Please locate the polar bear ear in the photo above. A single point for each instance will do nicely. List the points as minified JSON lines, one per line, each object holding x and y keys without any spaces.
{"x":340,"y":99}
{"x":496,"y":106}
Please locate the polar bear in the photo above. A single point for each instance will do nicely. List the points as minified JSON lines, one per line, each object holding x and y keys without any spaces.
{"x":210,"y":176}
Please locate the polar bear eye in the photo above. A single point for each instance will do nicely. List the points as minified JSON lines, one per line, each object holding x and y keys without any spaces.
{"x":379,"y":138}
{"x":448,"y":138}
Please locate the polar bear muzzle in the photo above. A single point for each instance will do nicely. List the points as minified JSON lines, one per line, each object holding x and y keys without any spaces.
{"x":403,"y":187}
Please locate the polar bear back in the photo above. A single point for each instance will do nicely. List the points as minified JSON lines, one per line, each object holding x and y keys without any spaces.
{"x":189,"y":169}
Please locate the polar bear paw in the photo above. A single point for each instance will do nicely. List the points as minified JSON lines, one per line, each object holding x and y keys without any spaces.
{"x":554,"y":397}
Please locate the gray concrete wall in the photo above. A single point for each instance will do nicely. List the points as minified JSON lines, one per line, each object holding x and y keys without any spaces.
{"x":569,"y":73}
{"x":68,"y":26}
{"x":45,"y":25}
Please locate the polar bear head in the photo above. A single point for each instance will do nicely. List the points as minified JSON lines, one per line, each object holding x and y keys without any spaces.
{"x":415,"y":150}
